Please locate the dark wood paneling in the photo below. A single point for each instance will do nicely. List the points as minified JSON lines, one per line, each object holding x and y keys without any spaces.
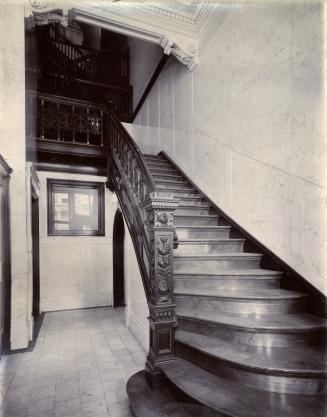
{"x":35,"y":252}
{"x":118,"y":261}
{"x":54,"y":147}
{"x":72,"y":169}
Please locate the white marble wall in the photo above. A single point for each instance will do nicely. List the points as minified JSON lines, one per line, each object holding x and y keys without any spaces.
{"x":249,"y":124}
{"x":144,"y":58}
{"x":12,"y":147}
{"x":75,"y":271}
{"x":136,"y":304}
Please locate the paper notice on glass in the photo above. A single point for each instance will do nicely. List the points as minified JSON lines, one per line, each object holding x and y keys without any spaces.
{"x":83,"y":204}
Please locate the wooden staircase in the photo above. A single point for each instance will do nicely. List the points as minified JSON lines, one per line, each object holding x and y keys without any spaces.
{"x":245,"y":347}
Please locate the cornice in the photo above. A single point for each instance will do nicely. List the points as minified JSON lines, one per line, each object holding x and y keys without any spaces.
{"x":177,"y":31}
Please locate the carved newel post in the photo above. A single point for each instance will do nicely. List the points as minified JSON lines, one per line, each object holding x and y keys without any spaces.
{"x":159,"y":211}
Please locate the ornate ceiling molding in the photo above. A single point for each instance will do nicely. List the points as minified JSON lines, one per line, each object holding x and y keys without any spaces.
{"x":174,"y":26}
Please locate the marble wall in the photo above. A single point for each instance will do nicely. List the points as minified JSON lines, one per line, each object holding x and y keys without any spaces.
{"x":12,"y":147}
{"x":249,"y":124}
{"x":75,"y":271}
{"x":144,"y":58}
{"x":136,"y":304}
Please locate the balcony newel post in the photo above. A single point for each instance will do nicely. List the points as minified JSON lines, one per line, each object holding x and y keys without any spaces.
{"x":159,"y":210}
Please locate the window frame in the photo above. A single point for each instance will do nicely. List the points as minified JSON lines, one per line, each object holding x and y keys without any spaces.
{"x":99,"y":186}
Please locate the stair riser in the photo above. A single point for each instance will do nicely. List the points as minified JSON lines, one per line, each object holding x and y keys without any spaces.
{"x":154,"y":158}
{"x":178,"y":193}
{"x":195,"y":221}
{"x":159,"y":165}
{"x":186,"y":233}
{"x":194,"y":210}
{"x":174,"y":176}
{"x":154,"y":170}
{"x":195,"y":202}
{"x":162,"y":169}
{"x":212,"y":265}
{"x":255,"y":337}
{"x":175,"y":182}
{"x":175,"y":187}
{"x":209,"y":249}
{"x":237,"y":306}
{"x":225,"y":284}
{"x":263,"y":380}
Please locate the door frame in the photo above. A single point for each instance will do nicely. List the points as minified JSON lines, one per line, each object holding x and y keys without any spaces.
{"x":118,"y":263}
{"x":35,"y":234}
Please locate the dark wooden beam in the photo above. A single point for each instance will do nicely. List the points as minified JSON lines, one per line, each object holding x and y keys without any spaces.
{"x":71,"y":168}
{"x":153,"y":79}
{"x":59,"y":147}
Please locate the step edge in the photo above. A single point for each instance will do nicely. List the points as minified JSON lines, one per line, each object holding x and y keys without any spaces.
{"x":248,"y":329}
{"x":256,"y":369}
{"x":296,"y":296}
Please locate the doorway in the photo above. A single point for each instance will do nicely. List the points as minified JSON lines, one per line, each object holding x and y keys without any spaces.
{"x":35,"y":254}
{"x":118,"y":261}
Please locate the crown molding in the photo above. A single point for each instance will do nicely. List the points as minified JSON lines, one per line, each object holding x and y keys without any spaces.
{"x":175,"y":27}
{"x":183,"y":47}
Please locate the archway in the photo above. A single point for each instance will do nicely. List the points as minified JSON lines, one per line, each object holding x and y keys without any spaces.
{"x":118,"y":261}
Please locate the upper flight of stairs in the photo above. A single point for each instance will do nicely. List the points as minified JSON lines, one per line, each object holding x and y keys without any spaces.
{"x":244,"y":346}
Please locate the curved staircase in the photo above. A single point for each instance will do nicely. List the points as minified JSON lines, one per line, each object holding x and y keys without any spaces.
{"x":244,"y":346}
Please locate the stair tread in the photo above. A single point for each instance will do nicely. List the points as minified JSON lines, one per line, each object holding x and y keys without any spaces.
{"x":309,"y":360}
{"x":177,"y":180}
{"x":207,"y":205}
{"x":235,"y":272}
{"x":246,"y":294}
{"x":235,"y":400}
{"x":221,"y":255}
{"x":203,"y":227}
{"x":210,"y":216}
{"x":150,"y":155}
{"x":274,"y":322}
{"x":146,"y":402}
{"x":209,"y":240}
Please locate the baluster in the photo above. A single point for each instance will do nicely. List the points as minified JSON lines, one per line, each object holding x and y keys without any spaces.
{"x":73,"y":123}
{"x":42,"y":118}
{"x":137,"y":183}
{"x":58,"y":120}
{"x":87,"y":126}
{"x":102,"y":128}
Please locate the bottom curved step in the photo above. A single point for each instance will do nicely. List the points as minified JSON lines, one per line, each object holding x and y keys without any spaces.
{"x":161,"y":403}
{"x":236,"y":400}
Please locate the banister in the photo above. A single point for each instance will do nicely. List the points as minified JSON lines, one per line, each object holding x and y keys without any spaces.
{"x":149,"y":216}
{"x":137,"y":150}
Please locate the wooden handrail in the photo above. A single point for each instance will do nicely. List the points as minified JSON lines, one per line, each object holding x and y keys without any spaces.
{"x":64,"y":100}
{"x":149,"y":217}
{"x":137,"y":152}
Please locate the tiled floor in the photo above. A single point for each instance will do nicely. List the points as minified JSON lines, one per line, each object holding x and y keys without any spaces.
{"x":78,"y":368}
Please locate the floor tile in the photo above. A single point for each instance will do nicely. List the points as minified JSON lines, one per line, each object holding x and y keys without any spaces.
{"x":78,"y":368}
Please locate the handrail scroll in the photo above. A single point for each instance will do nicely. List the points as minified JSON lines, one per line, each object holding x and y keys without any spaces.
{"x":149,"y":216}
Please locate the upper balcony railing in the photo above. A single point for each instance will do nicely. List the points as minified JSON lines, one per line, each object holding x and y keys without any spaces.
{"x":61,"y":55}
{"x":66,"y":120}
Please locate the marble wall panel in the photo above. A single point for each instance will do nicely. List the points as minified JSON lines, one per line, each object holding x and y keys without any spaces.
{"x":183,"y":117}
{"x":249,"y":125}
{"x":75,"y":271}
{"x":12,"y":146}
